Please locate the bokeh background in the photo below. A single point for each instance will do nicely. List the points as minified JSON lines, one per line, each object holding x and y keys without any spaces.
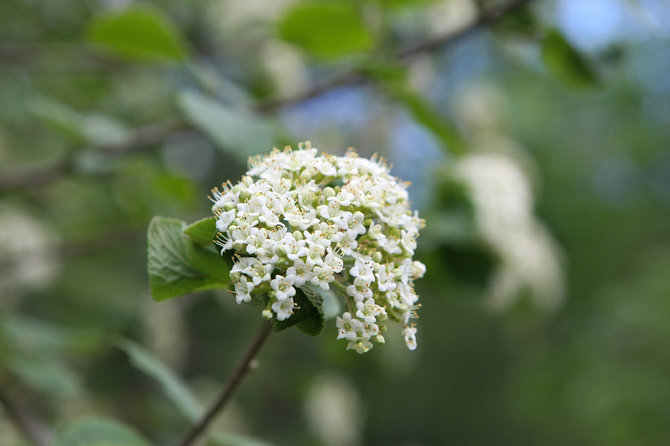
{"x":535,"y":135}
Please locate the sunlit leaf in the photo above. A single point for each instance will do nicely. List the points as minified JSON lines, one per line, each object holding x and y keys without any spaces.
{"x":202,"y":231}
{"x":139,"y":32}
{"x":236,"y":131}
{"x":94,"y":431}
{"x":178,"y":266}
{"x":326,"y":30}
{"x":565,"y":62}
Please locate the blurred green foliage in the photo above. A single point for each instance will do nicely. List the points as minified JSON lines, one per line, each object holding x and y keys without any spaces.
{"x":113,"y":112}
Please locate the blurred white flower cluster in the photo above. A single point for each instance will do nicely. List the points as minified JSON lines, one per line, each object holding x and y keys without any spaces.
{"x":503,"y":204}
{"x":299,"y":218}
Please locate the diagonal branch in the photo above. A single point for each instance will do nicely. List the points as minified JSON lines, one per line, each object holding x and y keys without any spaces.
{"x":26,"y":422}
{"x":153,"y":134}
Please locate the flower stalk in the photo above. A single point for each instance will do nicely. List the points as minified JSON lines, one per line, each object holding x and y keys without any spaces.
{"x":234,"y":381}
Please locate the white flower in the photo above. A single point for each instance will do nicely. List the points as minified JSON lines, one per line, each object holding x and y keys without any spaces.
{"x":243,"y":289}
{"x":364,"y":269}
{"x":348,"y":327}
{"x":368,"y":311}
{"x":385,"y":279}
{"x":283,"y":287}
{"x":250,"y":266}
{"x":283,"y":308}
{"x":360,"y":290}
{"x":299,"y":273}
{"x":224,"y":220}
{"x":409,"y":333}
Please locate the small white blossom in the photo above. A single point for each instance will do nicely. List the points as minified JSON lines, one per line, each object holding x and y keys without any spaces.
{"x":243,"y":289}
{"x":409,"y":333}
{"x":283,"y":308}
{"x":283,"y":287}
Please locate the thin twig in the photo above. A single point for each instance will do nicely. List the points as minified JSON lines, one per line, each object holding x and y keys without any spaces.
{"x":154,"y":134}
{"x":239,"y":372}
{"x":33,"y":428}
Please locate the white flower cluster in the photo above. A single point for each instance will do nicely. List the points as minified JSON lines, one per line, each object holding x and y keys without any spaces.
{"x":301,"y":218}
{"x":503,"y":203}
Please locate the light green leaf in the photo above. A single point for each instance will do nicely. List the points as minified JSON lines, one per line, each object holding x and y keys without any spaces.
{"x":230,"y":439}
{"x":235,"y":131}
{"x":92,"y":129}
{"x":139,"y":33}
{"x":178,"y":266}
{"x":202,"y":231}
{"x":565,"y":62}
{"x":329,"y":300}
{"x":35,"y":336}
{"x":173,"y":387}
{"x":179,"y":393}
{"x":94,"y":431}
{"x":326,"y":30}
{"x":45,"y":374}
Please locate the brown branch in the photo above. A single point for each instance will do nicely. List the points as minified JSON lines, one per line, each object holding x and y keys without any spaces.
{"x":239,"y":372}
{"x":154,"y":134}
{"x":486,"y":17}
{"x":31,"y":427}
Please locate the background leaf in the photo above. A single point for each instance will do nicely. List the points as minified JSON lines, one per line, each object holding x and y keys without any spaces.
{"x":178,"y":266}
{"x":94,"y":431}
{"x":139,"y":32}
{"x":565,"y":62}
{"x":174,"y":388}
{"x":179,"y":394}
{"x":326,"y":30}
{"x":236,"y":131}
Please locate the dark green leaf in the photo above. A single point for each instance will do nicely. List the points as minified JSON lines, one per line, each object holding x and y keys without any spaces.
{"x":174,"y":388}
{"x":326,"y":30}
{"x":308,"y":315}
{"x":236,"y":131}
{"x":94,"y":431}
{"x":139,"y":32}
{"x":565,"y":62}
{"x":202,"y":231}
{"x":178,"y":266}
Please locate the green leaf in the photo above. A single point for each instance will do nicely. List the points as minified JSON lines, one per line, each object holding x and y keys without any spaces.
{"x":85,"y":128}
{"x":179,"y":393}
{"x":45,"y":374}
{"x":178,"y":266}
{"x":202,"y":231}
{"x":308,"y":315}
{"x":139,"y":33}
{"x":326,"y":30}
{"x":39,"y":337}
{"x":236,"y":131}
{"x":565,"y":62}
{"x":329,"y":301}
{"x":94,"y":431}
{"x":424,"y":113}
{"x":174,"y":388}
